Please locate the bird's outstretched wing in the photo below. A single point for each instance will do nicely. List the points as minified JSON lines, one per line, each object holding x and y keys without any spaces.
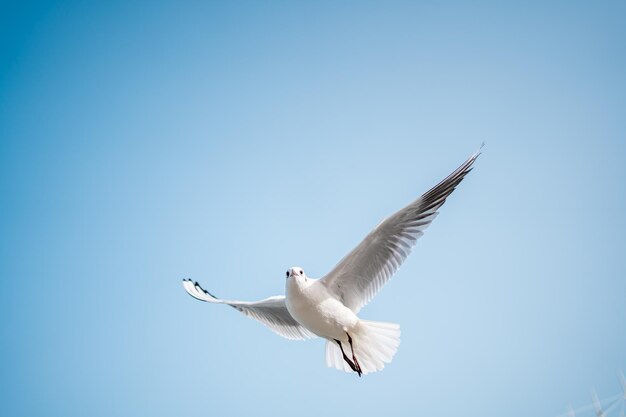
{"x":357,"y":278}
{"x":271,"y":311}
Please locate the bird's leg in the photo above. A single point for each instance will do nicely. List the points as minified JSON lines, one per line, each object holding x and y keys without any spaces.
{"x":356,"y":362}
{"x":354,"y":367}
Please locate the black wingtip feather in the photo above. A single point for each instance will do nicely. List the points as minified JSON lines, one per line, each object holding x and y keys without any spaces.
{"x":198,"y":286}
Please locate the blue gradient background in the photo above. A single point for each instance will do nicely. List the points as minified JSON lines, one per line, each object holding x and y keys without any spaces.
{"x":145,"y":142}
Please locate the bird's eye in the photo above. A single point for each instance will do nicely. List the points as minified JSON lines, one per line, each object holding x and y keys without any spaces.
{"x":301,"y":272}
{"x":287,"y":274}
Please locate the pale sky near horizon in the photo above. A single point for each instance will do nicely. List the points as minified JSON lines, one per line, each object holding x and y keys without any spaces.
{"x":146,"y":142}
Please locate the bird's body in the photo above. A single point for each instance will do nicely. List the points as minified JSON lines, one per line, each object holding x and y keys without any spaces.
{"x":309,"y":302}
{"x":315,"y":307}
{"x":328,"y":307}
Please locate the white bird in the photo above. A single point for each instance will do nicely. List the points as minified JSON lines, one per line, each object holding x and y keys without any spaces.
{"x":328,"y":307}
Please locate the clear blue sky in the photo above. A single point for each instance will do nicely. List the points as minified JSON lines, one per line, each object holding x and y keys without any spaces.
{"x":145,"y":142}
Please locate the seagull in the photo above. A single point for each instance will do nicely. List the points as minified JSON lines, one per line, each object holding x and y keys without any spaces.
{"x":328,"y":307}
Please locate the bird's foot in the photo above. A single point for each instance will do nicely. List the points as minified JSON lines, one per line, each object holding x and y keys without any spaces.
{"x":358,"y":367}
{"x":354,"y":365}
{"x":356,"y":362}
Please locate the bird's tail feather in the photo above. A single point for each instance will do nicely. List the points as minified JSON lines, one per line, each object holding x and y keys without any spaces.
{"x":375,"y":343}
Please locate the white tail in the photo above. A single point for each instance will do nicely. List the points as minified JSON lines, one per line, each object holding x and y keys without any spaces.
{"x":375,"y":343}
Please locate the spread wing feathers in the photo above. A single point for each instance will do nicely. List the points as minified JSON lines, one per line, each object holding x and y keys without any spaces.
{"x":271,"y":311}
{"x":357,"y":278}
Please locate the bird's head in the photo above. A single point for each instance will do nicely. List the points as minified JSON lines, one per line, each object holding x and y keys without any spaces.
{"x":296,"y":272}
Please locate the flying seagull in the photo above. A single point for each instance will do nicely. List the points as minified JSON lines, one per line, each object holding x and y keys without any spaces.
{"x":328,"y":307}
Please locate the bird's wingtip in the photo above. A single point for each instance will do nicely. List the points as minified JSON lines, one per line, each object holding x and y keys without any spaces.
{"x":196,"y":291}
{"x":480,"y":149}
{"x":478,"y":152}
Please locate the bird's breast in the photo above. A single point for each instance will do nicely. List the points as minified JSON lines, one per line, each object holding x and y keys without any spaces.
{"x":314,"y":308}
